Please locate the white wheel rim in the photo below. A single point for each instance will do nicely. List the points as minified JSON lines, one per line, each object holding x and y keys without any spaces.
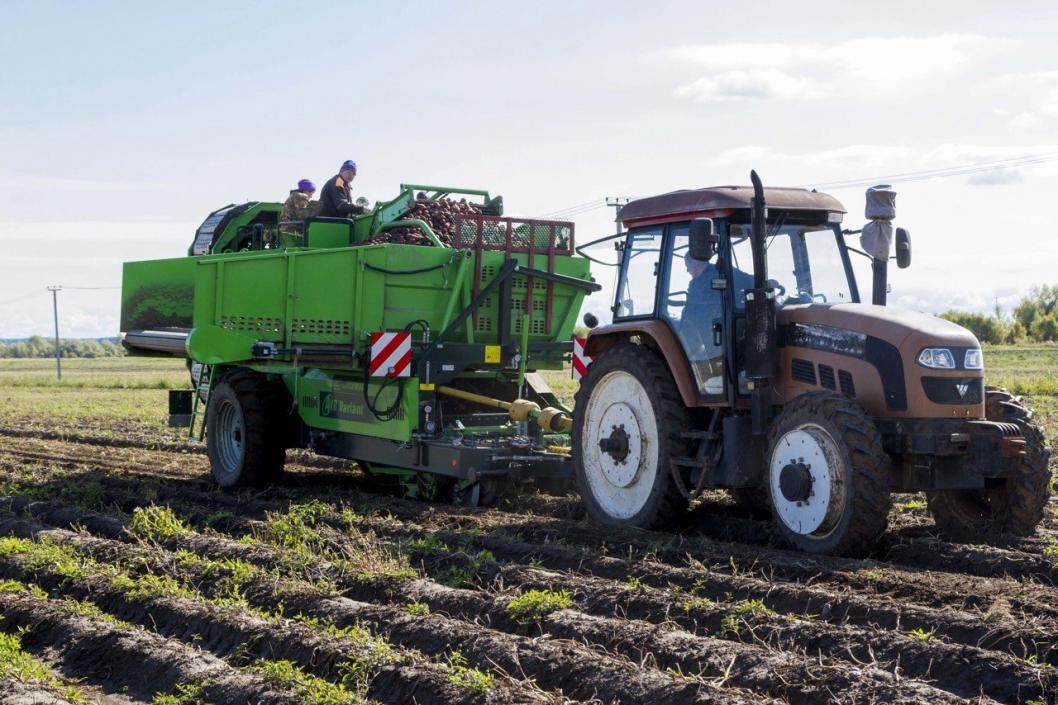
{"x":816,"y":450}
{"x":228,"y":436}
{"x":619,"y":403}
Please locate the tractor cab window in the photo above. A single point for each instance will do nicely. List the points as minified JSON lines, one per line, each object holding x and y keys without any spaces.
{"x":805,"y":263}
{"x":638,"y":283}
{"x":694,"y":308}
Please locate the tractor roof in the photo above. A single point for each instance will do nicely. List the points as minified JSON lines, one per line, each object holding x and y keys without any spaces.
{"x":691,"y":203}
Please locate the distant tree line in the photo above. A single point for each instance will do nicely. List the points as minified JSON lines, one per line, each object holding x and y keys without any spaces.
{"x":1034,"y":319}
{"x":38,"y":346}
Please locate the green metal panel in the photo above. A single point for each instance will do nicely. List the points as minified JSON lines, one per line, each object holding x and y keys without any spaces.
{"x":158,"y":294}
{"x":336,"y":403}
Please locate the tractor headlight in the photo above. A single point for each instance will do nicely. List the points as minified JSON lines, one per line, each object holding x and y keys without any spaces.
{"x":937,"y":358}
{"x":974,"y":360}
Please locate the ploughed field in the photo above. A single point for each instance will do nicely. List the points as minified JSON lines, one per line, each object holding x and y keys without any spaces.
{"x":126,"y":577}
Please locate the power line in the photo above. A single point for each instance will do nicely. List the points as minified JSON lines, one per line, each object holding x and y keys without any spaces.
{"x":927,"y":174}
{"x":91,"y":288}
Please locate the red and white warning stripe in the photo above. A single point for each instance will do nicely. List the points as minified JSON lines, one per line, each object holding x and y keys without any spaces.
{"x":390,"y":355}
{"x":580,"y":360}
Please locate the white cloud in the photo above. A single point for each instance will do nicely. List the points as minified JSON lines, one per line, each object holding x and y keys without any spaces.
{"x":874,"y":67}
{"x":1001,"y":176}
{"x":751,"y":84}
{"x":1037,"y":94}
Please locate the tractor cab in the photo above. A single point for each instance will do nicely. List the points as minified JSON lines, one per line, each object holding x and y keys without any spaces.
{"x":688,"y":263}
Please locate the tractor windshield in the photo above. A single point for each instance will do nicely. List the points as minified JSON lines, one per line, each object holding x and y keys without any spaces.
{"x":805,"y":262}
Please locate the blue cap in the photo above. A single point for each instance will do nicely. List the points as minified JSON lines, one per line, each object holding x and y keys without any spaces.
{"x":306,"y":185}
{"x":348,"y":164}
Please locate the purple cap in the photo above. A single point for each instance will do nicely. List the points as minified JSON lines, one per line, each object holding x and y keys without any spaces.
{"x":348,"y":164}
{"x":306,"y":185}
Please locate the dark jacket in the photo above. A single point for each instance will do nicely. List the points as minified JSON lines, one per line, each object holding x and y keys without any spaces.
{"x":336,"y":199}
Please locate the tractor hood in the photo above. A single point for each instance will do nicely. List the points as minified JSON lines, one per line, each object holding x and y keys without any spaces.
{"x":873,"y":352}
{"x":903,"y":329}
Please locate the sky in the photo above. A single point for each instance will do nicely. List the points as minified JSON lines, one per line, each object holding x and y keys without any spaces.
{"x":123,"y":124}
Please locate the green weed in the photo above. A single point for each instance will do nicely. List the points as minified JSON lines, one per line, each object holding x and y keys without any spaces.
{"x":21,"y":666}
{"x":183,"y":694}
{"x":697,"y":604}
{"x":461,"y":675}
{"x":157,"y":524}
{"x":533,"y":605}
{"x":311,"y":690}
{"x":419,"y":609}
{"x":922,"y":634}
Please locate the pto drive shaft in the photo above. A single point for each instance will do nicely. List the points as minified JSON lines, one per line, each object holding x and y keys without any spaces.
{"x":549,"y":418}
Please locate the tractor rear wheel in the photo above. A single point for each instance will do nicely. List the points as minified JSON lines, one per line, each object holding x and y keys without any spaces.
{"x":246,"y":430}
{"x":827,"y":475}
{"x":627,"y":418}
{"x":1017,"y":506}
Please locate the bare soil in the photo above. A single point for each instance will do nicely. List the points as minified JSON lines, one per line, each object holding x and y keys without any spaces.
{"x":721,"y":613}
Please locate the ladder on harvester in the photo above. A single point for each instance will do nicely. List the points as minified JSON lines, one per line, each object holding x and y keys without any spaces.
{"x":203,"y":390}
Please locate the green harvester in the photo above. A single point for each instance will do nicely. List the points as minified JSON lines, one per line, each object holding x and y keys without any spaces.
{"x":418,"y":362}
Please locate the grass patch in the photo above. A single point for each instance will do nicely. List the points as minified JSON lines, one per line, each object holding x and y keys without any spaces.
{"x":183,"y":694}
{"x":697,"y":604}
{"x":533,"y":605}
{"x":44,"y":555}
{"x":157,"y":524}
{"x":461,"y":675}
{"x":15,"y":663}
{"x":419,"y":609}
{"x":310,"y":689}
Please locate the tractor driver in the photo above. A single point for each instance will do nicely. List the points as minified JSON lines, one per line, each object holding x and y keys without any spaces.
{"x":336,"y":199}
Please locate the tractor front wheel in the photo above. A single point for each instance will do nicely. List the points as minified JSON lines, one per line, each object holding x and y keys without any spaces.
{"x":245,"y":430}
{"x":627,"y":420}
{"x":827,"y":475}
{"x":1017,"y":506}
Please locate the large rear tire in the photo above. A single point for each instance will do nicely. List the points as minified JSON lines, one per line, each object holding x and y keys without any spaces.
{"x":827,"y":475}
{"x":246,"y":429}
{"x":627,"y":419}
{"x":1018,"y":506}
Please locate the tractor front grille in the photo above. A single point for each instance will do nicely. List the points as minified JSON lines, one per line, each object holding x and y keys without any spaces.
{"x":954,"y":390}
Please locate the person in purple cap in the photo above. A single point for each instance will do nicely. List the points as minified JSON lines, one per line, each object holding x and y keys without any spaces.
{"x":336,"y":198}
{"x":299,"y":204}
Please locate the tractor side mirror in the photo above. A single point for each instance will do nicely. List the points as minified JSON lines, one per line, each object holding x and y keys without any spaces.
{"x":903,"y":248}
{"x":703,"y":239}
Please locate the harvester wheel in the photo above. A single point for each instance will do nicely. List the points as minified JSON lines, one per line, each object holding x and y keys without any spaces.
{"x":626,"y":423}
{"x":246,"y":430}
{"x":827,"y":475}
{"x":1017,"y":506}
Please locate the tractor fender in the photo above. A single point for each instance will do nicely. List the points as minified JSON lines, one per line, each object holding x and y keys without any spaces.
{"x":656,"y":335}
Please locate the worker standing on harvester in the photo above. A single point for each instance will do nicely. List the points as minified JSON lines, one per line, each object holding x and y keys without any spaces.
{"x":299,"y":204}
{"x":336,"y":199}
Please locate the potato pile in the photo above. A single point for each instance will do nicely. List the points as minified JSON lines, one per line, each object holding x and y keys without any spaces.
{"x":440,"y":215}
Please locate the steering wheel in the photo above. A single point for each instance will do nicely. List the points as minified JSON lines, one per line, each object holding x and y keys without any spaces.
{"x":674,"y":302}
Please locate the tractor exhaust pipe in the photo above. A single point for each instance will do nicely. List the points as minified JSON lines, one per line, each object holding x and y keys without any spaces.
{"x":759,"y":353}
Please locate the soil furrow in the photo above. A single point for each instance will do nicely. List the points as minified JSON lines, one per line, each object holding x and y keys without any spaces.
{"x":568,"y":667}
{"x":137,"y":663}
{"x":15,"y":692}
{"x":230,"y":633}
{"x":963,"y":670}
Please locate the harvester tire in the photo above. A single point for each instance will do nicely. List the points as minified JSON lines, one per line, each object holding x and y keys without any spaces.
{"x":827,"y":475}
{"x":246,"y":430}
{"x":627,"y":419}
{"x":1015,"y":508}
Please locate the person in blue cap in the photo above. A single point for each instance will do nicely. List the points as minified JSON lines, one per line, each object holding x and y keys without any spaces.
{"x":336,"y":198}
{"x":299,"y":204}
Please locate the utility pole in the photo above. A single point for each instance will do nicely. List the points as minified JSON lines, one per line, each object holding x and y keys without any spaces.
{"x":617,"y":203}
{"x":55,"y":307}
